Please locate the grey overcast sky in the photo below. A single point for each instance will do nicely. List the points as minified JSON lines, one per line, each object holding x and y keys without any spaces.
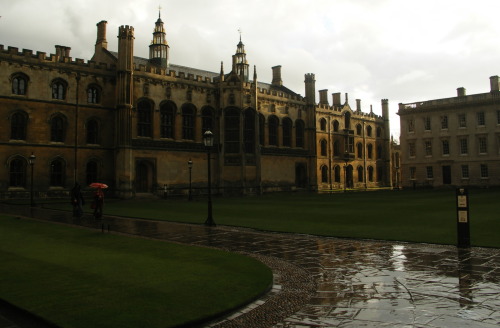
{"x":401,"y":50}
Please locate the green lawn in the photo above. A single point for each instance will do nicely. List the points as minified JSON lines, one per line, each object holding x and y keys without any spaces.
{"x":420,"y":216}
{"x":83,"y":278}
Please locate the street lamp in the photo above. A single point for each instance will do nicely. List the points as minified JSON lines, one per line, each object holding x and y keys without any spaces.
{"x":208,"y":141}
{"x":190,"y":166}
{"x":31,"y":161}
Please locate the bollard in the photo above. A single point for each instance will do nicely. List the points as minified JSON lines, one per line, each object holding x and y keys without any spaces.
{"x":463,"y":219}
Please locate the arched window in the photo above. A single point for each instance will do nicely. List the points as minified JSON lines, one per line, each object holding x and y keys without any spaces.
{"x":207,"y":120}
{"x":336,"y":148}
{"x":17,"y":173}
{"x":232,"y":130}
{"x":144,"y":118}
{"x":299,"y":133}
{"x":188,"y":112}
{"x":262,"y":124}
{"x":323,"y":145}
{"x":379,"y":132}
{"x":287,"y":132}
{"x":369,"y":151}
{"x":167,"y":119}
{"x":359,"y":149}
{"x":57,"y":173}
{"x":335,"y":126}
{"x":18,"y":126}
{"x":347,"y":120}
{"x":57,"y":129}
{"x":337,"y":173}
{"x":369,"y":131}
{"x":358,"y":129}
{"x":322,"y":124}
{"x":273,"y":130}
{"x":360,"y":174}
{"x":92,"y":132}
{"x":19,"y":84}
{"x":59,"y":89}
{"x":93,"y":95}
{"x":249,"y":131}
{"x":91,"y":173}
{"x":324,"y":174}
{"x":370,"y":173}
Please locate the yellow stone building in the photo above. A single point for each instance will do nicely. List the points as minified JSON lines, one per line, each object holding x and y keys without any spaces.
{"x":135,"y":123}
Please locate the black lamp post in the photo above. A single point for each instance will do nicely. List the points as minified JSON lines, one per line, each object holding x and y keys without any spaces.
{"x":190,"y":166}
{"x":31,"y":161}
{"x":208,"y":141}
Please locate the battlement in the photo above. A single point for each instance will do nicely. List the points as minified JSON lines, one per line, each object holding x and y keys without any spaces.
{"x":42,"y":58}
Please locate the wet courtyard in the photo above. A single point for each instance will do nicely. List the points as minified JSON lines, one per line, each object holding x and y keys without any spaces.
{"x":331,"y":282}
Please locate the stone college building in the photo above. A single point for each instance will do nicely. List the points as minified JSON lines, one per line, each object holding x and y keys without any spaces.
{"x":135,"y":123}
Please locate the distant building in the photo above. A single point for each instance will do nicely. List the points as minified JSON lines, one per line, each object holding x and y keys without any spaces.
{"x":134,"y":123}
{"x":452,"y":141}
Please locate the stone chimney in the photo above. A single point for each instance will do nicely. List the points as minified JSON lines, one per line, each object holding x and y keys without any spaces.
{"x":62,"y":51}
{"x":461,"y":92}
{"x":323,"y":97}
{"x":277,"y":81}
{"x":101,"y":35}
{"x":494,"y":83}
{"x":336,"y":99}
{"x":358,"y":105}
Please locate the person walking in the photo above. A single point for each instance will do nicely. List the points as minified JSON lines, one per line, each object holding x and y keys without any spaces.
{"x":98,"y":203}
{"x":77,"y":200}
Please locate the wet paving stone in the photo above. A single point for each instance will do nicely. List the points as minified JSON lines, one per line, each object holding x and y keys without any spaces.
{"x":329,"y":282}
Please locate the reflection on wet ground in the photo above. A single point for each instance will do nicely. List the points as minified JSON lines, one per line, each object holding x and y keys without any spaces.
{"x":356,"y":283}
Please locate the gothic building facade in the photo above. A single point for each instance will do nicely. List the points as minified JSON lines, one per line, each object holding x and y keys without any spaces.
{"x":135,"y":123}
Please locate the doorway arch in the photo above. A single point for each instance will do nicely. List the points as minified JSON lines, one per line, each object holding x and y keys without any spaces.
{"x":144,"y":176}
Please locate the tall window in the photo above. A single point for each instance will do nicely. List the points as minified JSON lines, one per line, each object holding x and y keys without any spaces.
{"x":411,"y":149}
{"x":322,"y":124}
{"x":324,"y":174}
{"x":462,"y":120}
{"x":379,"y":152}
{"x":464,"y":149}
{"x":167,"y":119}
{"x":93,"y":95}
{"x":347,"y":120}
{"x":370,"y":173}
{"x":360,"y":174}
{"x":336,"y":148}
{"x":57,"y":173}
{"x":359,"y":149}
{"x":232,"y":130}
{"x":430,"y":172}
{"x":444,"y":122}
{"x":369,"y":131}
{"x":411,"y":125}
{"x":413,"y":173}
{"x":465,"y":171}
{"x":369,"y":151}
{"x":323,"y":146}
{"x":335,"y":126}
{"x":19,"y":84}
{"x":57,"y":129}
{"x":17,"y":173}
{"x":299,"y":133}
{"x":262,"y":125}
{"x":358,"y":129}
{"x":428,"y":148}
{"x":287,"y":132}
{"x":207,"y":120}
{"x":18,"y":126}
{"x":480,"y":119}
{"x":188,"y":122}
{"x":379,"y":132}
{"x":427,"y":123}
{"x":144,"y":119}
{"x":446,"y":147}
{"x":92,"y":132}
{"x":249,"y":131}
{"x":483,"y":145}
{"x":91,"y":173}
{"x":337,"y":173}
{"x":484,"y":171}
{"x":273,"y":130}
{"x":58,"y":90}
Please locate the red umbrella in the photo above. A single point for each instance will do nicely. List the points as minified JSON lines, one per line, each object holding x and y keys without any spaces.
{"x":98,"y":185}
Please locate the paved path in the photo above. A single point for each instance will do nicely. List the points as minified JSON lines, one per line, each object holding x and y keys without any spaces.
{"x":330,"y":282}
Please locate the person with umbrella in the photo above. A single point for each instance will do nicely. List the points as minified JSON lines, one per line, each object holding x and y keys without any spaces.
{"x":98,"y":199}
